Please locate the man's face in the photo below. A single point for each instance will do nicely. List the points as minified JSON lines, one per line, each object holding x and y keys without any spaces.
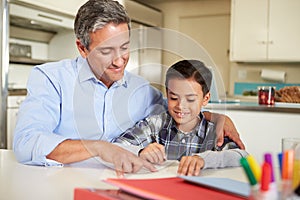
{"x":108,"y":52}
{"x":185,"y":100}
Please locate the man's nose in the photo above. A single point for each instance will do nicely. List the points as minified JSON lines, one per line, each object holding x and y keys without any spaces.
{"x":118,"y":59}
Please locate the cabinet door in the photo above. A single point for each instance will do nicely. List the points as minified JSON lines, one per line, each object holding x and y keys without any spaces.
{"x":67,"y":7}
{"x":249,"y":34}
{"x":284,"y":31}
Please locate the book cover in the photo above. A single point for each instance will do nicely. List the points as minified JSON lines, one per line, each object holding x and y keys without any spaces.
{"x":171,"y":188}
{"x":225,"y":184}
{"x":102,"y":194}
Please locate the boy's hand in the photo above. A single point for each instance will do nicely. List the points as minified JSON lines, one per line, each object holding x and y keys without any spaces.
{"x":154,"y":153}
{"x":190,"y":165}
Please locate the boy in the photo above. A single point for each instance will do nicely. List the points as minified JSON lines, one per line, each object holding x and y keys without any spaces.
{"x":182,"y":133}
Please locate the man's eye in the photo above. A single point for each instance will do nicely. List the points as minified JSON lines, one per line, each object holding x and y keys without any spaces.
{"x":173,"y":98}
{"x":105,"y":51}
{"x":124,"y":48}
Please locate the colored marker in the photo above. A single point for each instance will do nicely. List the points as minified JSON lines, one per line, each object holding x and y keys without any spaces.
{"x":287,"y":165}
{"x":280,"y":162}
{"x":266,"y":177}
{"x":268,"y":159}
{"x":248,"y":171}
{"x":254,"y":166}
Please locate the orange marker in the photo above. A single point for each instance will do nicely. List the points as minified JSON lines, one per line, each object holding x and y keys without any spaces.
{"x":287,"y":165}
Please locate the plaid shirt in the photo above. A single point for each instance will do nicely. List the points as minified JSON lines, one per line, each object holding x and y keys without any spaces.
{"x":162,"y":129}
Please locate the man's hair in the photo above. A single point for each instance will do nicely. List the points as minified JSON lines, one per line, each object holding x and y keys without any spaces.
{"x":94,"y":15}
{"x":186,"y":69}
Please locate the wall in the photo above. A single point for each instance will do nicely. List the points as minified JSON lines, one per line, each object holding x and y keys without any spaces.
{"x":175,"y":15}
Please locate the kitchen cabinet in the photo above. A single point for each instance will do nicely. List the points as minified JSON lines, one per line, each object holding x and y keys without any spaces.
{"x":66,"y":7}
{"x":262,"y":131}
{"x":265,"y":30}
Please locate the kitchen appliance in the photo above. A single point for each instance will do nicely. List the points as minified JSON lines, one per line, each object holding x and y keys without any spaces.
{"x":34,"y":35}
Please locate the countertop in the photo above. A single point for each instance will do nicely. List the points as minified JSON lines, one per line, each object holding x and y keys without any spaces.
{"x":254,"y":106}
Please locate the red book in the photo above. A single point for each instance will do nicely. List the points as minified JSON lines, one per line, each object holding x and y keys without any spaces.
{"x":163,"y":188}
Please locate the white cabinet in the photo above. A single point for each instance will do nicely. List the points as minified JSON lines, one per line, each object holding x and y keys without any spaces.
{"x":64,"y":6}
{"x":265,"y":30}
{"x":262,"y":132}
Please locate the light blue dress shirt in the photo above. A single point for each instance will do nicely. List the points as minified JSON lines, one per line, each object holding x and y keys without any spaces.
{"x":66,"y":101}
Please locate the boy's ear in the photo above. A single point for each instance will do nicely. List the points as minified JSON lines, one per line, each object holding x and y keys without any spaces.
{"x":206,"y":99}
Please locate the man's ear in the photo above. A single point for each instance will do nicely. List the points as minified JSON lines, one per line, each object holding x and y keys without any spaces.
{"x":206,"y":99}
{"x":82,"y":50}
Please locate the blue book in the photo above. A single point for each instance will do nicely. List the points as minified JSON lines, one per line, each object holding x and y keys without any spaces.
{"x":224,"y":184}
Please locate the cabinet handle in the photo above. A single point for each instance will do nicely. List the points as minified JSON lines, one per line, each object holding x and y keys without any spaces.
{"x":49,"y":17}
{"x":262,"y":42}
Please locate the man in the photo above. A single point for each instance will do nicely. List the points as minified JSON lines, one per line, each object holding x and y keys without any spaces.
{"x":75,"y":108}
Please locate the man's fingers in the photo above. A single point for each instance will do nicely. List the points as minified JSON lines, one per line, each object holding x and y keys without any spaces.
{"x":149,"y":166}
{"x":120,"y":174}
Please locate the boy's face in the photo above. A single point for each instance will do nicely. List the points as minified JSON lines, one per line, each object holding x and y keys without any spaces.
{"x":185,"y":100}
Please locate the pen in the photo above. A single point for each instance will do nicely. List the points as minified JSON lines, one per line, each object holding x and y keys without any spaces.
{"x":268,"y":159}
{"x":287,"y":165}
{"x":254,"y":166}
{"x":266,"y":177}
{"x":280,"y":163}
{"x":248,"y":171}
{"x":153,"y":139}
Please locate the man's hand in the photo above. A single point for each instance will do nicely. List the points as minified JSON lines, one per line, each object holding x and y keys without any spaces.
{"x":224,"y":127}
{"x":123,"y":160}
{"x":70,"y":151}
{"x":190,"y":165}
{"x":154,"y":153}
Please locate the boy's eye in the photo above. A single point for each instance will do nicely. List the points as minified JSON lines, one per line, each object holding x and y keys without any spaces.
{"x":191,"y":100}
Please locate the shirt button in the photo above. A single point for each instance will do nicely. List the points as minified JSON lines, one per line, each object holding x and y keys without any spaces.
{"x":183,"y":140}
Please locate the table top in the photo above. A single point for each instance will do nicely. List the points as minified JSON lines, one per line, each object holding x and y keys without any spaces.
{"x":18,"y":181}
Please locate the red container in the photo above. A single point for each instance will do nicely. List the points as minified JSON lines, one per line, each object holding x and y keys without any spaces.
{"x":266,"y":95}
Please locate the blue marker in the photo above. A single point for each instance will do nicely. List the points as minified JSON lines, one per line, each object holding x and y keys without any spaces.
{"x":280,"y":162}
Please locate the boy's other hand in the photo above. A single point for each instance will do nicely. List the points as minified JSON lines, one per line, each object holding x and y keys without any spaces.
{"x":190,"y":166}
{"x":154,"y":153}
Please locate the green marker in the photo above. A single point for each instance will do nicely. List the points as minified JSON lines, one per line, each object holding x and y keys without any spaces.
{"x":248,"y":171}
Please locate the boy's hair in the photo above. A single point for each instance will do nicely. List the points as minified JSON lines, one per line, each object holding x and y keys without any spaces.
{"x":94,"y":15}
{"x":186,"y":69}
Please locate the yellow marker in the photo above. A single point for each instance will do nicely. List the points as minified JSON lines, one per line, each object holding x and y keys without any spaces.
{"x":296,"y":175}
{"x":254,"y":166}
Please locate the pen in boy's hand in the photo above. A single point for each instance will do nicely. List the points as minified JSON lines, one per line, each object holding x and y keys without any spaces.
{"x":153,"y":139}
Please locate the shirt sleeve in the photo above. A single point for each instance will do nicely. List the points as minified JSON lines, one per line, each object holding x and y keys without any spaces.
{"x":38,"y":116}
{"x":222,"y":159}
{"x":141,"y":134}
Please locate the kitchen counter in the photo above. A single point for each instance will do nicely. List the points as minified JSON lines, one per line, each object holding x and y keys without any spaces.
{"x":254,"y":106}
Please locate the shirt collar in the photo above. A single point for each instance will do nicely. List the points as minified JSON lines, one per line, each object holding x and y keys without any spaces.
{"x":85,"y":73}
